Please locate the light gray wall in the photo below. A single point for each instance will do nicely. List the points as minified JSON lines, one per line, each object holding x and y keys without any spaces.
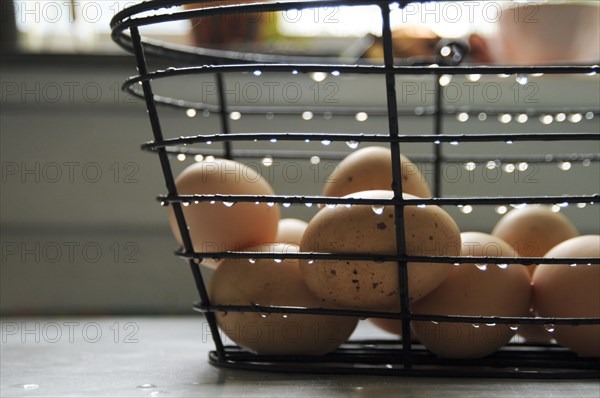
{"x":86,"y":243}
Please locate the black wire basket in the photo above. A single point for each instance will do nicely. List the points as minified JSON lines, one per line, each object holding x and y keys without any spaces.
{"x":398,"y":357}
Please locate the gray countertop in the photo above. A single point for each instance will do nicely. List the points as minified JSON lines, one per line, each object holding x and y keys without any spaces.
{"x":167,"y":357}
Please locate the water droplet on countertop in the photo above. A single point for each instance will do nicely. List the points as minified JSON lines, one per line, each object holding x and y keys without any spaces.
{"x":146,"y":385}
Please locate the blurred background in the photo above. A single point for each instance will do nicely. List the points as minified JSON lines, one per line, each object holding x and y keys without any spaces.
{"x":81,"y":230}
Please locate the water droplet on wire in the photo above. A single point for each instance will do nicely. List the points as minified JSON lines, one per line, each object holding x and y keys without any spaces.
{"x":378,"y":209}
{"x":522,"y":79}
{"x":352,"y":144}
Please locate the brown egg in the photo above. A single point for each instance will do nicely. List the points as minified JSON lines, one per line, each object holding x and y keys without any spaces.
{"x":218,"y":227}
{"x":290,"y":231}
{"x":560,"y":290}
{"x":272,"y":283}
{"x":535,"y":334}
{"x":533,"y":230}
{"x":370,"y":168}
{"x":371,"y":230}
{"x":392,"y":326}
{"x":477,"y":290}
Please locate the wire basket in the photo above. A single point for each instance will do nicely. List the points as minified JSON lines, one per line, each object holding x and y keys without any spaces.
{"x":397,"y":357}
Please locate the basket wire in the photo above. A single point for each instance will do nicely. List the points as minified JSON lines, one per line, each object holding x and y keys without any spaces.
{"x":381,"y":357}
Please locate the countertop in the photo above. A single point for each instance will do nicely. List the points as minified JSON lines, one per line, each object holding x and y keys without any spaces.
{"x":167,"y":357}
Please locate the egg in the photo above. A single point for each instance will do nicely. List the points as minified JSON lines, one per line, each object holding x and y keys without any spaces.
{"x":371,"y":230}
{"x":392,"y":326}
{"x":290,"y":230}
{"x":533,"y":230}
{"x":223,"y":227}
{"x":470,"y":289}
{"x":370,"y":168}
{"x":270,"y":283}
{"x":560,"y":290}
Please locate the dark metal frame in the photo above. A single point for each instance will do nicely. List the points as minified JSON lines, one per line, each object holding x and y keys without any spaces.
{"x":382,"y":357}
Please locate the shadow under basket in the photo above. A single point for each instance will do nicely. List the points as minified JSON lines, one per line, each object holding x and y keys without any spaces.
{"x":395,"y":357}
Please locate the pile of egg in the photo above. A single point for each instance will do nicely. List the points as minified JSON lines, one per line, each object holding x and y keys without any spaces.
{"x":470,"y":289}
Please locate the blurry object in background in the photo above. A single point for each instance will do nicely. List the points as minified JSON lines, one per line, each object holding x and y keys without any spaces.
{"x":8,"y":27}
{"x":526,"y":34}
{"x":547,"y":33}
{"x":418,"y":44}
{"x":409,"y":41}
{"x":223,"y":31}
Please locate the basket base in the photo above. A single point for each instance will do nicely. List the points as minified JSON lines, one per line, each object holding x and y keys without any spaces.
{"x":384,"y":358}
